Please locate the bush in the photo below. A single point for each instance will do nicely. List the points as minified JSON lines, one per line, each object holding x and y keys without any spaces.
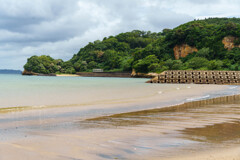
{"x":197,"y":63}
{"x":204,"y":52}
{"x":215,"y":65}
{"x":154,"y":67}
{"x":143,"y":64}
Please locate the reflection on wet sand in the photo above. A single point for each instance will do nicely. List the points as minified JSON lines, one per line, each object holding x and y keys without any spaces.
{"x":164,"y":133}
{"x":217,"y":133}
{"x":186,"y":129}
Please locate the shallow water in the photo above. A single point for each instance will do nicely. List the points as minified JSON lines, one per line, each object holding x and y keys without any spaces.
{"x":20,"y":91}
{"x":86,"y":118}
{"x":17,"y":90}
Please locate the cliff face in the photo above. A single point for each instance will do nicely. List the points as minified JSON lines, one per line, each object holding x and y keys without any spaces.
{"x":183,"y":50}
{"x":30,"y":73}
{"x":229,"y":42}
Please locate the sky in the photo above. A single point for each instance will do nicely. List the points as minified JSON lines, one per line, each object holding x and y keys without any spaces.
{"x":59,"y":28}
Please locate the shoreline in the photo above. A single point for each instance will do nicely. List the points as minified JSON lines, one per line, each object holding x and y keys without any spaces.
{"x":95,"y":74}
{"x":135,"y":101}
{"x":196,"y":102}
{"x":191,"y":104}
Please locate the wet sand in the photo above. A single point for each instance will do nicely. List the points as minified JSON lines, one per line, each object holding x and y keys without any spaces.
{"x":87,"y":132}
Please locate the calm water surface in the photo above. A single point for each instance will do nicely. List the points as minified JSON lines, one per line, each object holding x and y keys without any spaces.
{"x":17,"y":90}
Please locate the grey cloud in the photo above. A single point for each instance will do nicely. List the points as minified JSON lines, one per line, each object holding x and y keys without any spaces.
{"x":60,"y":28}
{"x":167,"y":19}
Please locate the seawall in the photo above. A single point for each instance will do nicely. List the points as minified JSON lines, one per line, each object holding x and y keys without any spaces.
{"x":105,"y":74}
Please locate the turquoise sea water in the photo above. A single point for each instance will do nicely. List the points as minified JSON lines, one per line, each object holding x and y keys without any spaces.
{"x":18,"y":90}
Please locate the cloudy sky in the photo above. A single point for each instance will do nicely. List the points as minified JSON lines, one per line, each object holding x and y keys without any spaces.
{"x":59,"y":28}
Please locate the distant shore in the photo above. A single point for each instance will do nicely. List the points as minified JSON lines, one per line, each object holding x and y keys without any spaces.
{"x":95,"y":74}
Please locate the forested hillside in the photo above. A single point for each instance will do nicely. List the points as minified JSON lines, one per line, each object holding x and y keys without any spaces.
{"x":210,"y":44}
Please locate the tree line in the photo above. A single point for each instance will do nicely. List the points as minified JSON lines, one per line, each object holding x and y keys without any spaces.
{"x":153,"y":52}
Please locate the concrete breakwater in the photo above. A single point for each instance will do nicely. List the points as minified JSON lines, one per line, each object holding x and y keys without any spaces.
{"x":198,"y":77}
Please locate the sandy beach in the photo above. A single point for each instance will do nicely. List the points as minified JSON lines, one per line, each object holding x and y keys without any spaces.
{"x":106,"y":129}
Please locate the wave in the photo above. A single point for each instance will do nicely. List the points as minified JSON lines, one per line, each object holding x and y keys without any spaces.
{"x":233,"y":87}
{"x":198,"y":98}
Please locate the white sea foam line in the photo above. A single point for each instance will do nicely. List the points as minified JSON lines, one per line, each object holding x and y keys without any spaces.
{"x":197,"y":98}
{"x":233,"y":87}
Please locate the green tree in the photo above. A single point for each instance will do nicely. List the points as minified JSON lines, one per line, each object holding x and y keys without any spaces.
{"x":143,"y":64}
{"x":154,"y":67}
{"x":126,"y":64}
{"x":215,"y":65}
{"x":204,"y":52}
{"x":197,"y":63}
{"x":43,"y":64}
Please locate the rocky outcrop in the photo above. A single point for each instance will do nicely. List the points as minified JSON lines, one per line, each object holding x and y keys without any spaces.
{"x":144,"y":75}
{"x":229,"y":42}
{"x":30,"y":73}
{"x":183,"y":50}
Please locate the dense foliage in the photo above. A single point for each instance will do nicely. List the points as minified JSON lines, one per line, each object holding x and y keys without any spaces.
{"x":44,"y":64}
{"x":153,"y":52}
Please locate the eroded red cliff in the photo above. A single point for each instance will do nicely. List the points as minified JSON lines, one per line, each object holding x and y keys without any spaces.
{"x":183,"y":50}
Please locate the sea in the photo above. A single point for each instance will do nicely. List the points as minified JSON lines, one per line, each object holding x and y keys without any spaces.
{"x":36,"y":91}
